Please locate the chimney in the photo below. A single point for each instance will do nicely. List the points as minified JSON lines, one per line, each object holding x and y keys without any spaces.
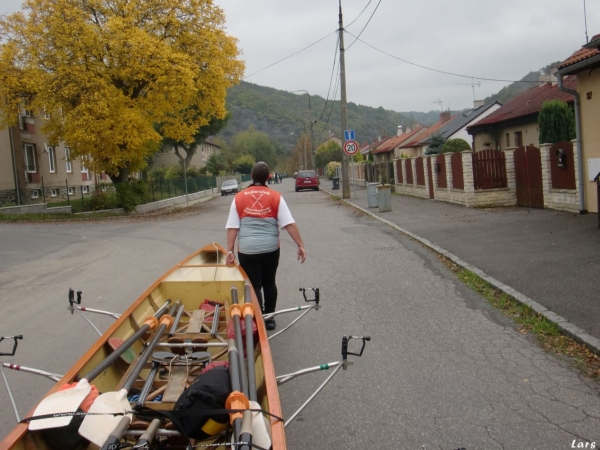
{"x":444,"y":116}
{"x":399,"y":132}
{"x":478,"y":103}
{"x":549,"y":78}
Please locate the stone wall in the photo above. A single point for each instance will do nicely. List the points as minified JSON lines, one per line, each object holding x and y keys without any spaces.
{"x":559,"y":199}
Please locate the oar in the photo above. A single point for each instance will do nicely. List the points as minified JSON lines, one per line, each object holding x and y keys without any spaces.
{"x":259,"y":433}
{"x":146,"y":439}
{"x":235,"y":311}
{"x":236,"y":399}
{"x":98,"y":428}
{"x":69,"y":400}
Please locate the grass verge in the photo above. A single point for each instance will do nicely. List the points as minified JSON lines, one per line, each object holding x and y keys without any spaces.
{"x":547,"y":333}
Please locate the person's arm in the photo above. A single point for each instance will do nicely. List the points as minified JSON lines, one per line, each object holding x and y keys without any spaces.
{"x":231,"y":237}
{"x":294,"y":233}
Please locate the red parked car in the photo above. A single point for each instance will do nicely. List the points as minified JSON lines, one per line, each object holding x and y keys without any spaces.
{"x":307,"y":179}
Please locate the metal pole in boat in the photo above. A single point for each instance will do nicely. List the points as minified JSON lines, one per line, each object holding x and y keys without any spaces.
{"x":215,"y":324}
{"x":246,"y":435}
{"x":176,"y":321}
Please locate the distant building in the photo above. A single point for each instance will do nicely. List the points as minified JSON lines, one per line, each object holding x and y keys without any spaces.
{"x":199,"y":160}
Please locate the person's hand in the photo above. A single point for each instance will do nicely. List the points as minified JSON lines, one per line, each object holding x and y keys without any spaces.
{"x":230,"y":259}
{"x":301,"y":254}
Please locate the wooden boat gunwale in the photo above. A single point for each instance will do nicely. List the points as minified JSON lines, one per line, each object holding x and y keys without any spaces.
{"x":272,"y":395}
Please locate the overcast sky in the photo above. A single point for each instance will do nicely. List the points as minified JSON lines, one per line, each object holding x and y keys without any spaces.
{"x":503,"y":39}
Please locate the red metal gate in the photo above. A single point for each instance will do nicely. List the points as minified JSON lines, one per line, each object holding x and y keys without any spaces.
{"x":430,"y":178}
{"x":528,"y":174}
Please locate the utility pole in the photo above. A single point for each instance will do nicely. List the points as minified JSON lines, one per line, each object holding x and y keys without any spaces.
{"x":345,"y":174}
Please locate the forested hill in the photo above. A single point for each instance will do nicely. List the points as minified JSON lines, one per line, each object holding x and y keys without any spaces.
{"x":512,"y":90}
{"x":284,"y":115}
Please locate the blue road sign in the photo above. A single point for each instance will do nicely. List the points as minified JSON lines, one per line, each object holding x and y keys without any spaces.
{"x":349,"y":135}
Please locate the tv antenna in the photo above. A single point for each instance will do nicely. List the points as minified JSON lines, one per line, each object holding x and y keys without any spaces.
{"x":439,"y":102}
{"x":473,"y":85}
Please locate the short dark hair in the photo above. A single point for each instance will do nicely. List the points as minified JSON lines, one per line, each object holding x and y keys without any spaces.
{"x":260,"y":172}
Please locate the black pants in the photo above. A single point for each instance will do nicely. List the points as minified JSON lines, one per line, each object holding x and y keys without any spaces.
{"x":261,"y":268}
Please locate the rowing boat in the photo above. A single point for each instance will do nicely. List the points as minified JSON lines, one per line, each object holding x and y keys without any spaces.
{"x":202,"y":275}
{"x":127,"y":389}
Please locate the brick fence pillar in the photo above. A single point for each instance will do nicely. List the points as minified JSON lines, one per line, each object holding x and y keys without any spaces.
{"x":467,"y":163}
{"x":448,"y":160}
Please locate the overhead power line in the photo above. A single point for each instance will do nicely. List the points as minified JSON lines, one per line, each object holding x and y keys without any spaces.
{"x":437,"y":70}
{"x":361,"y":13}
{"x":331,"y":79}
{"x":361,"y":31}
{"x":287,"y":57}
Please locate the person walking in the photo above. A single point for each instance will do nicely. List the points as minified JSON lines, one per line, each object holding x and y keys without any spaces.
{"x":255,"y":216}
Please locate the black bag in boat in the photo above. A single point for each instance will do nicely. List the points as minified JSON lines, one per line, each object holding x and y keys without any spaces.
{"x":208,"y":392}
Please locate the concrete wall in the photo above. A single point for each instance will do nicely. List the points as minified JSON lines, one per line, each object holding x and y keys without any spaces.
{"x":588,"y":82}
{"x":37,"y":209}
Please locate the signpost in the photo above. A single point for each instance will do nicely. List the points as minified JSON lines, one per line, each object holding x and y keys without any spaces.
{"x":350,"y":147}
{"x":349,"y":135}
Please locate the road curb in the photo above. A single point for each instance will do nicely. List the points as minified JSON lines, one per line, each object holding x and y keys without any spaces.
{"x":563,"y":324}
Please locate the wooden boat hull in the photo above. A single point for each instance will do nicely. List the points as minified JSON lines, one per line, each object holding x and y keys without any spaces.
{"x":202,"y":275}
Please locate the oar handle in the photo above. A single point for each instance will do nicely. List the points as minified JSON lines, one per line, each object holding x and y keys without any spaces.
{"x":124,"y":346}
{"x":114,"y":440}
{"x":146,"y":439}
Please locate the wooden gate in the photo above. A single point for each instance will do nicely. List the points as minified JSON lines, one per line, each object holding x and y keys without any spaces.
{"x":528,"y":174}
{"x":430,"y":177}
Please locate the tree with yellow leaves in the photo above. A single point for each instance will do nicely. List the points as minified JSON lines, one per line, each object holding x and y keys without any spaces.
{"x":108,"y":71}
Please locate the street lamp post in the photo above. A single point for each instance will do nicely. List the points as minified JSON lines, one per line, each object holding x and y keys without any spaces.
{"x":312,"y":136}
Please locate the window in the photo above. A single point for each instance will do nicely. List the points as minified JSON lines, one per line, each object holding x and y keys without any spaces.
{"x":35,"y":193}
{"x":54,"y":192}
{"x":51,"y":159}
{"x":30,"y":161}
{"x":71,"y":191}
{"x":84,"y":169}
{"x":518,"y":139}
{"x":507,"y":140}
{"x":68,"y":160}
{"x":84,"y":189}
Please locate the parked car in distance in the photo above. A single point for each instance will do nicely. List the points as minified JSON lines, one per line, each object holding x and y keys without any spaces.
{"x":307,"y":179}
{"x":230,"y":187}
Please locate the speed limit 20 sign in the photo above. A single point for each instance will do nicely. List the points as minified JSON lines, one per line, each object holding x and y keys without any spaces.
{"x":350,"y":147}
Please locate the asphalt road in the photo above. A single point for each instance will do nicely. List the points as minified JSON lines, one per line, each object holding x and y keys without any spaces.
{"x":443,"y":370}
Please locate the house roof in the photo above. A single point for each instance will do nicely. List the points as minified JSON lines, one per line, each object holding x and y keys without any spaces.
{"x":430,"y":131}
{"x":586,"y":52}
{"x":395,"y":141}
{"x":528,"y":103}
{"x":373,"y":145}
{"x":460,"y":121}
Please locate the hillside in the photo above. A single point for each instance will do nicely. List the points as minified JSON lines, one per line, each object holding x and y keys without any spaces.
{"x":284,"y":115}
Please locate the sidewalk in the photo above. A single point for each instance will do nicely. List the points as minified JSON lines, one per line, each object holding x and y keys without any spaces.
{"x":549,"y":256}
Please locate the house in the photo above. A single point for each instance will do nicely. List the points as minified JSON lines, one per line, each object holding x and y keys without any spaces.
{"x":418,"y":146}
{"x":457,"y":127}
{"x":584,"y":65}
{"x":390,"y":149}
{"x":515,"y":123}
{"x":38,"y":170}
{"x":331,"y":138}
{"x":373,"y":146}
{"x":200,"y":158}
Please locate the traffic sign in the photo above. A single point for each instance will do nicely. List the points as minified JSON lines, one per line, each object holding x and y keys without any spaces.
{"x":349,"y":135}
{"x":350,"y":147}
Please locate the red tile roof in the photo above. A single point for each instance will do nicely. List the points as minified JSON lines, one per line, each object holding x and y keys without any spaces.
{"x":580,"y":55}
{"x":395,"y":141}
{"x":430,"y":131}
{"x":374,"y":145}
{"x":528,"y":103}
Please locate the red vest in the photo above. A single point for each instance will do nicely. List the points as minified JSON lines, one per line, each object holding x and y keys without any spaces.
{"x":257,"y":201}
